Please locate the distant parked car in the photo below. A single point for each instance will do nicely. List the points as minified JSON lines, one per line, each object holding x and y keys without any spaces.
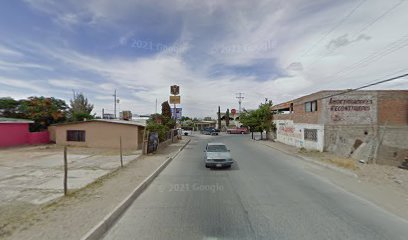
{"x":209,"y":131}
{"x":217,"y":155}
{"x":186,"y":132}
{"x":240,"y":130}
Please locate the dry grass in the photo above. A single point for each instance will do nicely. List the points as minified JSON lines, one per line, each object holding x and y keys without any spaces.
{"x":343,"y":162}
{"x":331,"y":158}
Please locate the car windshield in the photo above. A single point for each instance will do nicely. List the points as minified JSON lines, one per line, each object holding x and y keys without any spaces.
{"x":217,"y":148}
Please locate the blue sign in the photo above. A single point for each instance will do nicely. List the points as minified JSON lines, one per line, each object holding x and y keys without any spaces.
{"x":178,"y":114}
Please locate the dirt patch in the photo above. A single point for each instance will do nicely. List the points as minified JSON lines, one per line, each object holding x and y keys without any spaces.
{"x":342,"y":162}
{"x":72,"y":216}
{"x":381,"y":174}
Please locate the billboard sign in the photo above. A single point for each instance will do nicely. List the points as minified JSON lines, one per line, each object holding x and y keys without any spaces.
{"x":174,"y":99}
{"x":178,"y":114}
{"x":175,"y":90}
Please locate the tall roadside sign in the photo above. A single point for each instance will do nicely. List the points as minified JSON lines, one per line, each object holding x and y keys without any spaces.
{"x":174,"y":99}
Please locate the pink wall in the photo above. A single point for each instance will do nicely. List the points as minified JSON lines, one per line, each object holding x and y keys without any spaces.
{"x":12,"y":134}
{"x":38,"y":137}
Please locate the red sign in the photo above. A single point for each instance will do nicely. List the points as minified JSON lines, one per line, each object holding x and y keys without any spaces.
{"x":233,"y":111}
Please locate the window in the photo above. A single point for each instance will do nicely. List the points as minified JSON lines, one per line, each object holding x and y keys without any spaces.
{"x":311,"y":134}
{"x":311,"y":106}
{"x":75,"y":135}
{"x":217,"y":148}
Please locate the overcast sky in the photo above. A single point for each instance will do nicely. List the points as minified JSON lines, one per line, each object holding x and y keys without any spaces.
{"x":213,"y":49}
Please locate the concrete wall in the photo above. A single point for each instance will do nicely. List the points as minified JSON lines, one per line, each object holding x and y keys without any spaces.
{"x":352,"y":108}
{"x":393,"y":148}
{"x":292,"y":133}
{"x":372,"y":143}
{"x":102,"y":135}
{"x":52,"y":130}
{"x":356,"y":141}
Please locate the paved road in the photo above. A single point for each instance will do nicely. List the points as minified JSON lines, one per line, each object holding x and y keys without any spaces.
{"x":267,"y":195}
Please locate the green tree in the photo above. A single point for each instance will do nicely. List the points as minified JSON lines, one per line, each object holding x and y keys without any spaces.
{"x":161,"y":129}
{"x":266,"y":118}
{"x":207,"y":119}
{"x":80,"y":108}
{"x":227,"y":117}
{"x":184,"y":118}
{"x":251,"y":120}
{"x":259,"y":120}
{"x":166,"y":110}
{"x":8,"y":107}
{"x":43,"y":111}
{"x":166,"y":116}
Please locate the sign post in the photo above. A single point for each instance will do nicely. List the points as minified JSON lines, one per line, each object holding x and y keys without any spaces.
{"x":175,"y":99}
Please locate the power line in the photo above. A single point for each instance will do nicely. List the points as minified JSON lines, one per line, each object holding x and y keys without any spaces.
{"x":381,"y":16}
{"x":364,"y":28}
{"x":387,"y":11}
{"x":390,"y":48}
{"x":334,"y":28}
{"x":359,"y":88}
{"x":366,"y":86}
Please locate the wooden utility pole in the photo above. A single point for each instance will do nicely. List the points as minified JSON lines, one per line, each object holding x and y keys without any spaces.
{"x":121,"y":154}
{"x":65,"y":171}
{"x":219,"y":118}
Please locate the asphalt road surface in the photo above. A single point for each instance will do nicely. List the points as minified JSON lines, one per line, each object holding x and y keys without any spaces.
{"x":266,"y":195}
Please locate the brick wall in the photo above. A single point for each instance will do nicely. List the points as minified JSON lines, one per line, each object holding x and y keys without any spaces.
{"x":393,"y":108}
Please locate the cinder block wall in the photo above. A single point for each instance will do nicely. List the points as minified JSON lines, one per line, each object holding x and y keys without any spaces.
{"x":393,"y":108}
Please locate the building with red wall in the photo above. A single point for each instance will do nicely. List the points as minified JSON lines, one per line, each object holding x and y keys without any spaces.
{"x":15,"y":132}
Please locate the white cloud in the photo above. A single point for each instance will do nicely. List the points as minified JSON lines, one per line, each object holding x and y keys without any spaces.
{"x":8,"y":52}
{"x":318,"y":44}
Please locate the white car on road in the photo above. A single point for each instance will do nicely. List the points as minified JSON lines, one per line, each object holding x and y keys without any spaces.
{"x":217,"y":155}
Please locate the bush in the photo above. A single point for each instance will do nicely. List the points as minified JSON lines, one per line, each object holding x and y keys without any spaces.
{"x":159,"y":128}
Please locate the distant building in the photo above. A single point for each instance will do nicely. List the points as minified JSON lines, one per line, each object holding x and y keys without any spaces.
{"x":100,"y":133}
{"x":200,"y":125}
{"x":108,"y":116}
{"x":370,"y":125}
{"x":15,"y":132}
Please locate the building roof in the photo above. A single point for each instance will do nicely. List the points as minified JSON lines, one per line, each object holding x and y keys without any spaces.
{"x":134,"y":123}
{"x":14,"y":120}
{"x":329,"y":93}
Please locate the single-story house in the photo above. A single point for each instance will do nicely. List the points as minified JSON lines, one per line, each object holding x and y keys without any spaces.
{"x":99,"y":133}
{"x":15,"y":132}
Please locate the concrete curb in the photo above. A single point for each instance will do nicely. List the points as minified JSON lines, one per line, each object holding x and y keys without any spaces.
{"x":322,"y":164}
{"x":103,"y":226}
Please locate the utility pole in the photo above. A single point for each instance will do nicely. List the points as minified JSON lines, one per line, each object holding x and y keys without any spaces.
{"x":116,"y":100}
{"x":240,"y":96}
{"x":114,"y":103}
{"x":156,"y":107}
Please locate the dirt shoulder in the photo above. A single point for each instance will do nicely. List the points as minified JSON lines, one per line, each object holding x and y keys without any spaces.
{"x":385,"y":186}
{"x":73,"y":216}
